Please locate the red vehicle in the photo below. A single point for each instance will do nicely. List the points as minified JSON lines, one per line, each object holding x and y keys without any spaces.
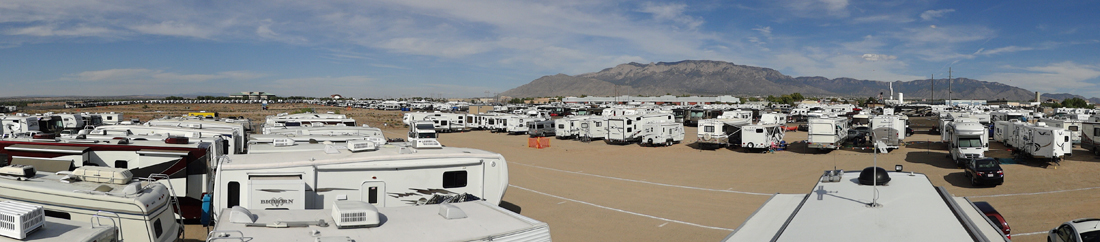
{"x":995,"y":216}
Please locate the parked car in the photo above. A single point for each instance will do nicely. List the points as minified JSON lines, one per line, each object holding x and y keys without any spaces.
{"x":985,"y":171}
{"x":1079,"y":230}
{"x":996,"y":217}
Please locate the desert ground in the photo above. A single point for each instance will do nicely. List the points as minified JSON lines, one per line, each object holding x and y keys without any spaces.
{"x":600,"y":192}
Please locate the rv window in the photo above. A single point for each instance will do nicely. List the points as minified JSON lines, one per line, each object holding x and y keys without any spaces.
{"x":157,"y":229}
{"x":453,"y":179}
{"x":708,"y":129}
{"x":598,"y":124}
{"x":628,"y":122}
{"x":1072,"y":128}
{"x":1067,"y":138}
{"x":120,"y":164}
{"x":628,"y":130}
{"x":56,"y":214}
{"x":759,"y":131}
{"x":561,"y":126}
{"x":288,"y":124}
{"x":233,"y":197}
{"x":109,"y":117}
{"x":1095,"y":132}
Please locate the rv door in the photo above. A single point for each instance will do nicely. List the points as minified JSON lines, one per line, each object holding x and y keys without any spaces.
{"x":373,"y":192}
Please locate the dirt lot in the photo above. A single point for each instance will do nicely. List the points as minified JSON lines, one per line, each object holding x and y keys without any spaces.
{"x":600,"y":192}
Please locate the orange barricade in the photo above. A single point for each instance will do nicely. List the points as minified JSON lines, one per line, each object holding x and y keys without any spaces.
{"x":538,"y":143}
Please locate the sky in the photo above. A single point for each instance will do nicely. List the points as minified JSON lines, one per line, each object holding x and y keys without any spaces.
{"x":406,"y":48}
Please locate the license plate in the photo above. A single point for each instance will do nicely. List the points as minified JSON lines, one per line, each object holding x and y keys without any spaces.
{"x":989,"y":175}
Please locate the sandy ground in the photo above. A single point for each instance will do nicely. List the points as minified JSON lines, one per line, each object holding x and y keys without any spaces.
{"x":600,"y":192}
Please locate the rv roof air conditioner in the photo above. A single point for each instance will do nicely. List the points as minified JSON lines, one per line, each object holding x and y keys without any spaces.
{"x":194,"y":126}
{"x":25,"y":171}
{"x":17,"y":220}
{"x":100,"y":174}
{"x":361,"y":145}
{"x":350,"y":214}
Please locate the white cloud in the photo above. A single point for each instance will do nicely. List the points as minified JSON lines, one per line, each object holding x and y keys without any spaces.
{"x":671,"y":12}
{"x":878,"y":57}
{"x":51,"y":30}
{"x":174,"y":28}
{"x":1006,"y":49}
{"x":155,"y":76}
{"x":812,"y":61}
{"x":766,"y":30}
{"x":933,"y":14}
{"x":812,"y":8}
{"x":429,"y":47}
{"x":883,"y":19}
{"x":1056,"y":77}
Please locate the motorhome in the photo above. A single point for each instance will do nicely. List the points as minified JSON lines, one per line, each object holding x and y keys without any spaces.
{"x":354,"y":220}
{"x":422,"y":135}
{"x":827,"y":133}
{"x":905,"y":207}
{"x":141,"y":209}
{"x":664,"y":133}
{"x":694,"y":115}
{"x":394,"y":175}
{"x":967,"y":139}
{"x":719,"y":133}
{"x":761,"y":136}
{"x":543,"y":128}
{"x":889,"y":129}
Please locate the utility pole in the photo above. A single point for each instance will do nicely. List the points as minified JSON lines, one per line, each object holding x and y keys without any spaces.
{"x":950,"y":83}
{"x":933,"y":89}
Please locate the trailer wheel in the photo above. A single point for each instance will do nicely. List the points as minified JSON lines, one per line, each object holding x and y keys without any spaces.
{"x":750,"y":146}
{"x":650,"y":141}
{"x":668,"y":143}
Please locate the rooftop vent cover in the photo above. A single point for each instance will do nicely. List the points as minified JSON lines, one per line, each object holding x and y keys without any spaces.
{"x":17,"y":220}
{"x":350,"y":214}
{"x":101,"y":174}
{"x":361,"y":145}
{"x":282,"y":142}
{"x":869,"y":174}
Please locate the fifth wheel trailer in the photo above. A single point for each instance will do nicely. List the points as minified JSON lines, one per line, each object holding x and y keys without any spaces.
{"x":827,"y":133}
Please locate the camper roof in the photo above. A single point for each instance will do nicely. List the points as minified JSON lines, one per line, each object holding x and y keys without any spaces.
{"x":912,"y":209}
{"x":310,"y":156}
{"x":409,"y":223}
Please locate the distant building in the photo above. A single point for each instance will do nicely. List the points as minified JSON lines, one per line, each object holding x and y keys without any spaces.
{"x":253,"y":95}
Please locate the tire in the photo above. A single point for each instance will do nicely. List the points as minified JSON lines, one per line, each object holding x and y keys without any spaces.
{"x":974,"y":181}
{"x":650,"y":142}
{"x":750,"y":146}
{"x":668,"y":143}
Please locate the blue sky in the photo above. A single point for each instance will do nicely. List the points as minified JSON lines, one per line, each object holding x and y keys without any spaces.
{"x":400,"y":48}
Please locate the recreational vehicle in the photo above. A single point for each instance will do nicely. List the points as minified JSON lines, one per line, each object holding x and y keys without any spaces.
{"x":827,"y":133}
{"x":694,"y":115}
{"x":50,"y":229}
{"x":1008,"y":115}
{"x":1073,"y":126}
{"x":354,"y":220}
{"x":142,"y":209}
{"x":543,"y":128}
{"x":394,"y":175}
{"x":889,"y":129}
{"x":594,"y":127}
{"x":1042,"y":142}
{"x":666,"y":133}
{"x":967,"y":140}
{"x":761,"y":136}
{"x":422,"y":135}
{"x":773,"y":118}
{"x":841,"y":207}
{"x":720,"y":132}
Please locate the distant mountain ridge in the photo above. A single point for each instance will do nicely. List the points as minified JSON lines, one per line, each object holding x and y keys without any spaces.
{"x":706,"y":77}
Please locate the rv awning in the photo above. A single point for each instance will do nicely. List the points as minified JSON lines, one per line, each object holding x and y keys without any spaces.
{"x":73,"y":150}
{"x":43,"y":164}
{"x":163,"y":152}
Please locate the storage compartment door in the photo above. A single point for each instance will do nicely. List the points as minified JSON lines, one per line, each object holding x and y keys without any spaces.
{"x":277,"y":193}
{"x":374,"y":192}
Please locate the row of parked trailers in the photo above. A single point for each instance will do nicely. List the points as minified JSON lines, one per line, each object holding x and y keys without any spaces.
{"x":829,"y":133}
{"x":648,"y":128}
{"x":736,"y":129}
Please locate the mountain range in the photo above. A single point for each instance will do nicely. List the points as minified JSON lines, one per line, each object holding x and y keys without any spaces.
{"x":709,"y":78}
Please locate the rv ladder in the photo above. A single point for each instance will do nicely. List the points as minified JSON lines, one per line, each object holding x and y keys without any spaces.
{"x":172,"y":199}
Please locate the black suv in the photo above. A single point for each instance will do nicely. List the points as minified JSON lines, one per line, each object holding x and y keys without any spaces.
{"x":985,"y":171}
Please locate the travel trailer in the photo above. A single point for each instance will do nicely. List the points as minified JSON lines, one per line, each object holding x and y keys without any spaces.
{"x":186,"y":164}
{"x":394,"y":175}
{"x":354,"y":220}
{"x":566,"y":128}
{"x":720,"y":132}
{"x":967,"y":139}
{"x":1090,"y":135}
{"x":628,"y":129}
{"x":773,"y":118}
{"x":842,"y":207}
{"x":236,"y":141}
{"x":763,"y":136}
{"x":594,"y":127}
{"x":664,"y":134}
{"x":142,"y":209}
{"x":1073,"y":126}
{"x":827,"y":133}
{"x":889,"y":129}
{"x":1040,"y":142}
{"x":1008,"y":115}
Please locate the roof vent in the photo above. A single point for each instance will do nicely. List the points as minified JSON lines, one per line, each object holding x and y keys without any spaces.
{"x":350,"y":214}
{"x":871,"y":174}
{"x":449,"y":211}
{"x":18,"y":170}
{"x":17,"y":220}
{"x":282,"y":142}
{"x":176,"y":140}
{"x":194,"y":126}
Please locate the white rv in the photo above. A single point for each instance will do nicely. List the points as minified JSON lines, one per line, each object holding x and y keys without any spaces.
{"x":395,"y":175}
{"x":594,"y":127}
{"x":773,"y":118}
{"x":1073,"y":126}
{"x":353,"y":220}
{"x":422,"y":135}
{"x":967,"y":140}
{"x":827,"y":133}
{"x":1041,"y":142}
{"x":665,"y":134}
{"x":628,"y":129}
{"x":761,"y":136}
{"x":142,"y":210}
{"x":51,"y":229}
{"x":720,"y":132}
{"x":908,"y":208}
{"x":889,"y":129}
